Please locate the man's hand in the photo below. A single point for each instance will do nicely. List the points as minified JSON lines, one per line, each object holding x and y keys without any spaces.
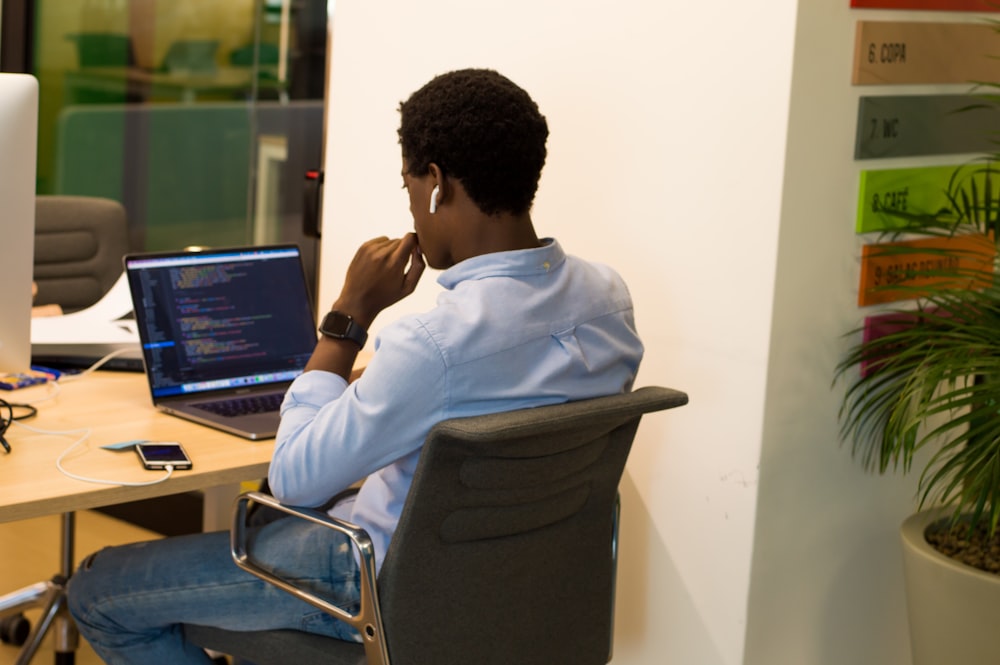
{"x":378,"y":277}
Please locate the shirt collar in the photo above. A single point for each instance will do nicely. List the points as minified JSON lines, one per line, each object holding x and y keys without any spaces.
{"x":515,"y":263}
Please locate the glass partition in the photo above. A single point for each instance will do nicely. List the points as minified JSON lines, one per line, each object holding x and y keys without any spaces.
{"x":201,"y":116}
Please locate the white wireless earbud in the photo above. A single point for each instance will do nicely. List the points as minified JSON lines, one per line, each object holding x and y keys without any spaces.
{"x":434,"y":199}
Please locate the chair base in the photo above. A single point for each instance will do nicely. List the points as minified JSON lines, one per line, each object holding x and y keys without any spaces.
{"x":51,"y":597}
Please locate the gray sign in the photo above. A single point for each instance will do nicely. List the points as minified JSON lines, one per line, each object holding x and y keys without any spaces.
{"x":911,"y":125}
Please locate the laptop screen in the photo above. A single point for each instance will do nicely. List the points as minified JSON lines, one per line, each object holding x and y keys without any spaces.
{"x":221,"y":319}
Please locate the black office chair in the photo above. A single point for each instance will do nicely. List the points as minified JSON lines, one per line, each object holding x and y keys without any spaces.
{"x":79,"y":244}
{"x":505,"y":551}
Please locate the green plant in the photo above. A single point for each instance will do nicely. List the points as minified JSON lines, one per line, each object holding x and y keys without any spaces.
{"x":934,"y":379}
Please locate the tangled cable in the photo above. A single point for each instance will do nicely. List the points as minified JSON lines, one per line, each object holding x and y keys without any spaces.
{"x":8,"y":415}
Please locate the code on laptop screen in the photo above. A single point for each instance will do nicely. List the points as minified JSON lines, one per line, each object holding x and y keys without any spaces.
{"x":219,"y":320}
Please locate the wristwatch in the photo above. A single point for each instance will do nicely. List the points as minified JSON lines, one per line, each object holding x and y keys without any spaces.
{"x":341,"y":326}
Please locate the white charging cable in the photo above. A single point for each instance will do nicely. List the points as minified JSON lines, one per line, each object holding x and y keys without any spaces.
{"x":84,"y":434}
{"x":93,"y":368}
{"x":55,"y":386}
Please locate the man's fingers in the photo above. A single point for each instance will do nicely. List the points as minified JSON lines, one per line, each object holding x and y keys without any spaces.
{"x":417,"y":266}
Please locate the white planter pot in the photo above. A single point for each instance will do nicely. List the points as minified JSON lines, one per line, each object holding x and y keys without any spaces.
{"x":952,"y":608}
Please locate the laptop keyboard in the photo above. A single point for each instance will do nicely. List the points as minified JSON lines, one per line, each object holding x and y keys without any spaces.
{"x":241,"y":406}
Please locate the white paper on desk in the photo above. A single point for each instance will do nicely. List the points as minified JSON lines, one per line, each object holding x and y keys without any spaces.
{"x":98,"y":324}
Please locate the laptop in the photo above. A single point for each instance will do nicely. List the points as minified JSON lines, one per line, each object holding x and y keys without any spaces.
{"x":223,"y":332}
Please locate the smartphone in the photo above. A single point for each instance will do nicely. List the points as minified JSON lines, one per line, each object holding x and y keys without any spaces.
{"x":161,"y":454}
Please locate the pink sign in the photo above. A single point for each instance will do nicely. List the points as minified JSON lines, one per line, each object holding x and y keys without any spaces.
{"x":880,"y":326}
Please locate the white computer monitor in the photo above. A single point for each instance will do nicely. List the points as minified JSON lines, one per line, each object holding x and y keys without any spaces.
{"x":18,"y":150}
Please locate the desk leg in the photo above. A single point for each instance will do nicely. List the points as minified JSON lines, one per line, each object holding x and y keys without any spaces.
{"x":67,"y":639}
{"x":217,"y":511}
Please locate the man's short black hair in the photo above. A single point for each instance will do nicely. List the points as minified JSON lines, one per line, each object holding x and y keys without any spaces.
{"x":481,"y":128}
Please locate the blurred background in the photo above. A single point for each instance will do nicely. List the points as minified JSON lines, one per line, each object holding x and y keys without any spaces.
{"x":201,"y":117}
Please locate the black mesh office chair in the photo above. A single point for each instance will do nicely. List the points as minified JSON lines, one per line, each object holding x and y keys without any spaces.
{"x":79,"y":244}
{"x":505,"y":551}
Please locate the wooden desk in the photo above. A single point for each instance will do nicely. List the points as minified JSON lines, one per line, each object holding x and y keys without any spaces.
{"x":116,"y":407}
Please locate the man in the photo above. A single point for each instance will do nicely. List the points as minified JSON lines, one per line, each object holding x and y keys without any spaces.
{"x":519,"y":324}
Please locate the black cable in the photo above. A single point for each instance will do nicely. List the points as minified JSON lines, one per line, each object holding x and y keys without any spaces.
{"x":8,"y":416}
{"x":5,"y":422}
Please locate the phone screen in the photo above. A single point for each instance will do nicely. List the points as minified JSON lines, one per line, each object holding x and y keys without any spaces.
{"x":159,"y":455}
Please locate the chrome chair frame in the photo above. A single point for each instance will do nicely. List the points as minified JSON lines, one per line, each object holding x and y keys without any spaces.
{"x":368,"y":620}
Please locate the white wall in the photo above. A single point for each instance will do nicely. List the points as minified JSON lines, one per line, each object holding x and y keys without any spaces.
{"x":666,"y":160}
{"x":666,"y":151}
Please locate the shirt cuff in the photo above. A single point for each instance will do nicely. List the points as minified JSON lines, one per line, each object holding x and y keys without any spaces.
{"x":314,"y":388}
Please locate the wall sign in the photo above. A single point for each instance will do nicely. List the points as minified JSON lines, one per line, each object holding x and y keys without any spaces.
{"x":910,"y":125}
{"x":888,"y":275}
{"x":947,"y":5}
{"x":914,"y":190}
{"x":882,"y":325}
{"x":888,"y":52}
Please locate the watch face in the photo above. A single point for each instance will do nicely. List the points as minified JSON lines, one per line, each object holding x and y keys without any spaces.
{"x":341,"y":326}
{"x":335,"y":324}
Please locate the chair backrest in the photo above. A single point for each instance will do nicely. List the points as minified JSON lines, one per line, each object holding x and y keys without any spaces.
{"x":503,"y":552}
{"x":79,"y":244}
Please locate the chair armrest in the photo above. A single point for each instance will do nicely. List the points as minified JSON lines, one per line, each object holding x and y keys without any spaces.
{"x":368,"y":620}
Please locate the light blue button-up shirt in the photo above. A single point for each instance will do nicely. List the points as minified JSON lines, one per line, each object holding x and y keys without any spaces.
{"x":511,"y":330}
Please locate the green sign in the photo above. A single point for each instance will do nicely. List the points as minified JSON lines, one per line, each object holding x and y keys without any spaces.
{"x":914,"y":190}
{"x":963,"y":192}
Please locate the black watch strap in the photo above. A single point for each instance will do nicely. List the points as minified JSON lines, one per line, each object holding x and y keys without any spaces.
{"x":341,"y":326}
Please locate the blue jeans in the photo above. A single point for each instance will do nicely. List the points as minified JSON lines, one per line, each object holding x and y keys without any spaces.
{"x":129,"y":601}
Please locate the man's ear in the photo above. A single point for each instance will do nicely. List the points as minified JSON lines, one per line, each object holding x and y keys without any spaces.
{"x":438,"y":183}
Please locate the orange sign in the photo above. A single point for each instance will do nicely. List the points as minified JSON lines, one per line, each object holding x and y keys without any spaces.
{"x":901,"y":270}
